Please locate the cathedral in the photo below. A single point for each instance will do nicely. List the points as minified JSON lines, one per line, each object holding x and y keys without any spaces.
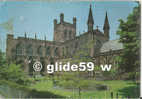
{"x":26,"y":51}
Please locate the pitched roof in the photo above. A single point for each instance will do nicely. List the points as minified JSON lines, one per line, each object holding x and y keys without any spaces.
{"x":98,"y":32}
{"x":111,"y":45}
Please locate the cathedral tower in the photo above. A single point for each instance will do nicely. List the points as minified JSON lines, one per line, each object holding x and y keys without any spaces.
{"x":90,"y":21}
{"x":63,"y":30}
{"x":106,"y":27}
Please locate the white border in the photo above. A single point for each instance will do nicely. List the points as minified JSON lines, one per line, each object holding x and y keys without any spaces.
{"x":92,"y":1}
{"x":141,"y":57}
{"x":67,"y":0}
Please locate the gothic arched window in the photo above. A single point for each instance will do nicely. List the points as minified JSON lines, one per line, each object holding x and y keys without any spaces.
{"x":56,"y":51}
{"x":70,"y":35}
{"x":76,"y":45}
{"x":48,"y":51}
{"x":65,"y":34}
{"x":29,"y":51}
{"x":19,"y":49}
{"x":63,"y":51}
{"x":39,"y":51}
{"x":67,"y":50}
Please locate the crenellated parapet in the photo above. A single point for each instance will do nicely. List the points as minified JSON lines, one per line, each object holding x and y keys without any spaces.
{"x":63,"y":30}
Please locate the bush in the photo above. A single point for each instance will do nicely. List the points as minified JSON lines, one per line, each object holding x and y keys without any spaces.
{"x":101,"y":87}
{"x":84,"y":84}
{"x":69,"y":76}
{"x":110,"y":75}
{"x":26,"y":92}
{"x":132,"y":75}
{"x":67,"y":84}
{"x":13,"y":73}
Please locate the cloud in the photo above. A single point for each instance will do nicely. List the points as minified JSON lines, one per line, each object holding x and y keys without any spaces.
{"x":8,"y":25}
{"x":21,"y":18}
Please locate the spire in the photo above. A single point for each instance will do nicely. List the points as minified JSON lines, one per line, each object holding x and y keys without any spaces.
{"x":106,"y":23}
{"x":97,"y":27}
{"x":90,"y":17}
{"x":25,"y":35}
{"x":106,"y":27}
{"x":45,"y":38}
{"x":35,"y":36}
{"x":90,"y":22}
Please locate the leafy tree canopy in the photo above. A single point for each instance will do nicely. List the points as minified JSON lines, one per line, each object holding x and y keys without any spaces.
{"x":129,"y":32}
{"x":11,"y":72}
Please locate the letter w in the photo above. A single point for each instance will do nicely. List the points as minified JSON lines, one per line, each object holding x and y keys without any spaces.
{"x":106,"y":67}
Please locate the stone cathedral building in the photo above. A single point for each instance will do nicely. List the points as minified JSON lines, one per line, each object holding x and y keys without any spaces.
{"x":65,"y":43}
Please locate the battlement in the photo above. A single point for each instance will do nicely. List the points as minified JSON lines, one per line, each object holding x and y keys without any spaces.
{"x":63,"y":30}
{"x":64,"y":22}
{"x":10,"y":36}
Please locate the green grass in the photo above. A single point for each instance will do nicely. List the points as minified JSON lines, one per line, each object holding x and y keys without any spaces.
{"x":124,"y":88}
{"x":48,"y":86}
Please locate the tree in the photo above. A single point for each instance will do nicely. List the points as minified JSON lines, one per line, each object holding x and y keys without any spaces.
{"x":83,"y":54}
{"x":11,"y":72}
{"x":2,"y":58}
{"x":129,"y":32}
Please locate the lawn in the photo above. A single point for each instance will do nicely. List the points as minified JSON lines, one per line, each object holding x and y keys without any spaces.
{"x":123,"y":88}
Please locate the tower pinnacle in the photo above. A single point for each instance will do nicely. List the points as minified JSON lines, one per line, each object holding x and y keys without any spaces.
{"x":106,"y":27}
{"x":90,"y":21}
{"x":106,"y":23}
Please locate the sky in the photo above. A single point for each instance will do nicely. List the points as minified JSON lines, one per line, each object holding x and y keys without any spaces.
{"x":18,"y":17}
